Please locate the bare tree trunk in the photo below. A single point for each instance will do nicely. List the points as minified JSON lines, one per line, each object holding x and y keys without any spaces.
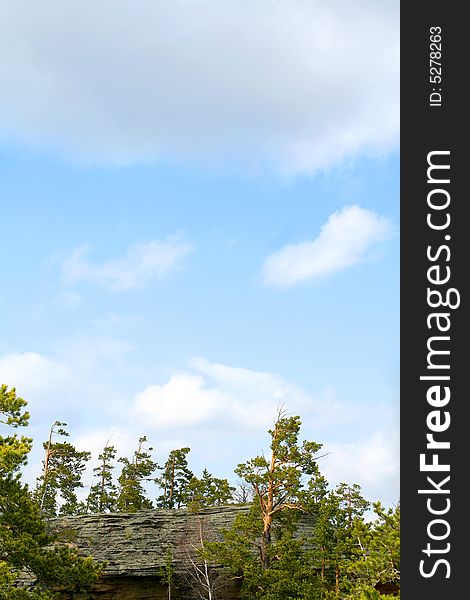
{"x":207,"y":579}
{"x":201,"y":579}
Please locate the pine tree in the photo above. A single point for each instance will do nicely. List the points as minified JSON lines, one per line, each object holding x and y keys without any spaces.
{"x":63,"y":467}
{"x":174,"y":480}
{"x":103,"y":494}
{"x":13,"y":449}
{"x":277,"y":481}
{"x":377,"y":556}
{"x":131,"y":492}
{"x":261,"y":548}
{"x":24,"y":543}
{"x":208,"y":491}
{"x":167,"y":572}
{"x":339,"y":517}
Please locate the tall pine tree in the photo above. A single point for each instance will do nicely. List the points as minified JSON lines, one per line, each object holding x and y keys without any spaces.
{"x":135,"y":471}
{"x":339,"y":517}
{"x":63,"y":467}
{"x":261,"y":548}
{"x":24,"y":542}
{"x":208,"y":491}
{"x":377,"y":555}
{"x":174,"y":480}
{"x":278,"y":480}
{"x":103,"y":494}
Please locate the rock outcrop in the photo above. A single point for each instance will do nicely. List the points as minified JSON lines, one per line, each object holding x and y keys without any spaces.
{"x":137,"y":546}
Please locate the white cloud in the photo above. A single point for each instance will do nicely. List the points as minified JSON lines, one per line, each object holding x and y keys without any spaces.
{"x":373,"y":462}
{"x":228,"y":398}
{"x":221,"y":412}
{"x":142,"y":263}
{"x":296,"y":84}
{"x":39,"y":379}
{"x":70,"y":384}
{"x":183,"y":401}
{"x":344,"y":240}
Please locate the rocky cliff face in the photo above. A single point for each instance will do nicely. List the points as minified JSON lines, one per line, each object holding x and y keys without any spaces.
{"x":137,"y":544}
{"x":136,"y":548}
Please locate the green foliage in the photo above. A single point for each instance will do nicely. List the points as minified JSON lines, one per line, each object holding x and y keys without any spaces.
{"x":377,"y":557}
{"x":345,"y":558}
{"x":13,"y":449}
{"x":278,"y":482}
{"x":8,"y":590}
{"x":282,"y":472}
{"x":260,"y":548}
{"x":174,"y":480}
{"x":63,"y":569}
{"x":339,"y":522}
{"x":131,"y":493}
{"x":289,"y":575}
{"x":167,"y":573}
{"x":208,"y":491}
{"x":103,"y":495}
{"x":24,"y":542}
{"x":238,"y":550}
{"x":63,"y":467}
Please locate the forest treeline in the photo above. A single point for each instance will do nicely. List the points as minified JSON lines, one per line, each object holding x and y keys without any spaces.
{"x":346,"y":556}
{"x":123,"y":484}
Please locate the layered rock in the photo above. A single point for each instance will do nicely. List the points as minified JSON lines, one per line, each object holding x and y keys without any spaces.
{"x":137,"y":544}
{"x":136,"y":548}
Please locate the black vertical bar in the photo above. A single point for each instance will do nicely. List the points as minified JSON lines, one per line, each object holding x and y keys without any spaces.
{"x":434,"y":522}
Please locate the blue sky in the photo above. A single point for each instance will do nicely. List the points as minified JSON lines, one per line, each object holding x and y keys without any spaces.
{"x":195,"y":231}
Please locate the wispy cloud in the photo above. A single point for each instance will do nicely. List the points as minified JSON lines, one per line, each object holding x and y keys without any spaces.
{"x":38,"y":378}
{"x":345,"y":240}
{"x":299,"y":85}
{"x":70,"y":383}
{"x":373,"y":462}
{"x":142,"y":263}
